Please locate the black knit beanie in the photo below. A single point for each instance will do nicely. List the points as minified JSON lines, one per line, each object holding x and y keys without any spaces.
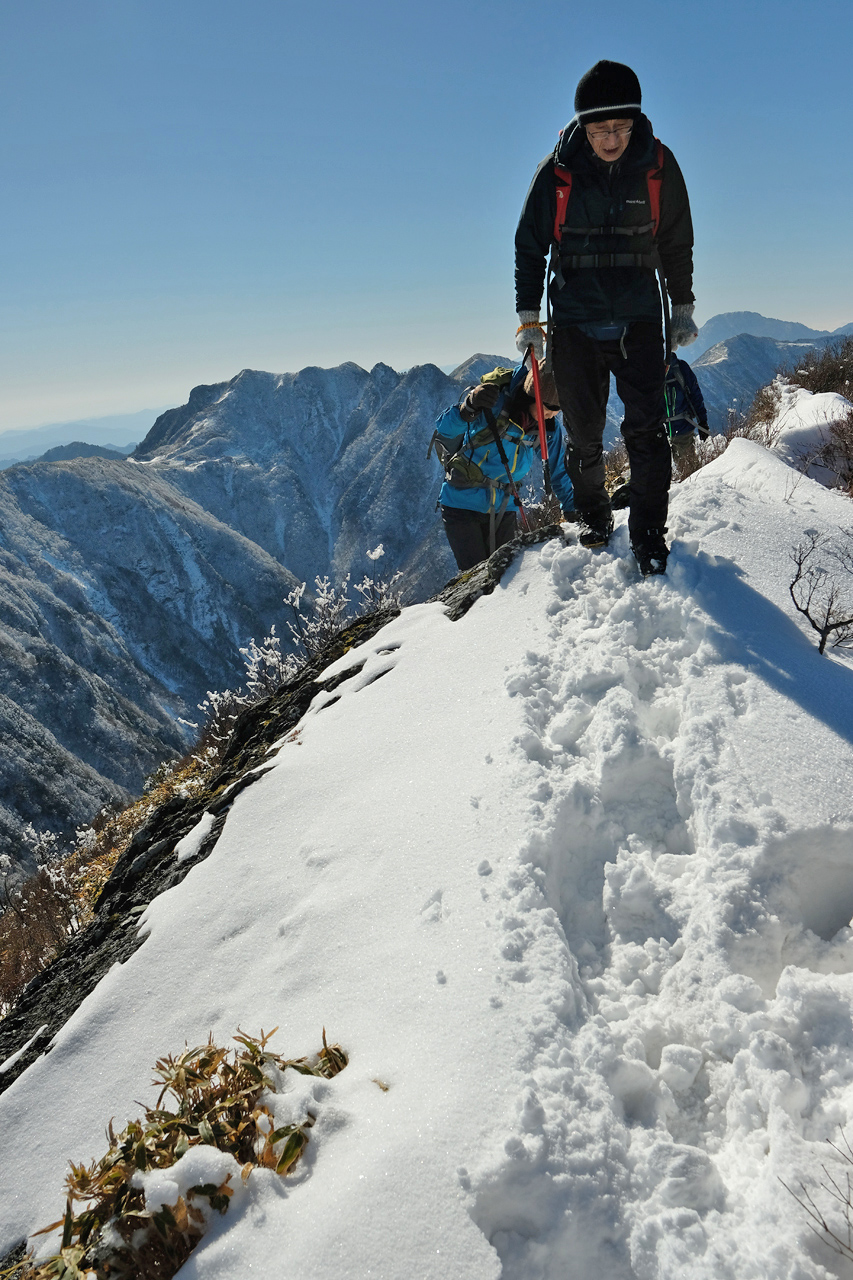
{"x":608,"y":91}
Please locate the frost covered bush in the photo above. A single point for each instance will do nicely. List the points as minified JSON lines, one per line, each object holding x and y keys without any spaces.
{"x":616,"y":469}
{"x":268,"y":667}
{"x":542,"y":513}
{"x":42,"y":912}
{"x":835,"y":451}
{"x":332,"y":609}
{"x":138,"y":1224}
{"x":760,"y":422}
{"x":833,"y":1223}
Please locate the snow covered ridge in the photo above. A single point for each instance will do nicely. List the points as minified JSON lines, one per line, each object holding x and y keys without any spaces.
{"x":573,"y":878}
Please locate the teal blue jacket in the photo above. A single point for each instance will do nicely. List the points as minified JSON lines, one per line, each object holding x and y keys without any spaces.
{"x":474,"y":443}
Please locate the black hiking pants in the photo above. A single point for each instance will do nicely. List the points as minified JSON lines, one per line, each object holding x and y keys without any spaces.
{"x":582,"y":368}
{"x":468,"y":533}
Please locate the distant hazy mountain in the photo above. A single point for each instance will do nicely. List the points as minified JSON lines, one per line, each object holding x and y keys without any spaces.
{"x":118,"y":431}
{"x":77,"y":449}
{"x":731,"y":323}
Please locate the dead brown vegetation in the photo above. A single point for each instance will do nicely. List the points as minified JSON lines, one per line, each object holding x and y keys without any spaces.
{"x":43,"y":911}
{"x":828,"y":368}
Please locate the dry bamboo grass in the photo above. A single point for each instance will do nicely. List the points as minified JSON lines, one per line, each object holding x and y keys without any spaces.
{"x":219,"y":1102}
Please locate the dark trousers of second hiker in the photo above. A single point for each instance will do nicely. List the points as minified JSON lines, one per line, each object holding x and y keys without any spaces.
{"x":582,"y":368}
{"x":468,"y":533}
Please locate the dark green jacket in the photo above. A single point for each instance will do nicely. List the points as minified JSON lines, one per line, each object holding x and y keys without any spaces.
{"x":604,"y":195}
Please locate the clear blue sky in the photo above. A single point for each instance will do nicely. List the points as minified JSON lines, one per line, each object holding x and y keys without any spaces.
{"x":191,"y":187}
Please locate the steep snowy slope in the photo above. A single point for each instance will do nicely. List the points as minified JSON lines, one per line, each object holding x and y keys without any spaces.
{"x":121,"y":604}
{"x":570,"y":879}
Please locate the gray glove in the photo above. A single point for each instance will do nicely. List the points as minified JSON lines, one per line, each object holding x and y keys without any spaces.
{"x":530,"y":334}
{"x":684,"y":331}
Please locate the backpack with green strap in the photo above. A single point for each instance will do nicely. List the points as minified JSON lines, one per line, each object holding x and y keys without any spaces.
{"x":460,"y":470}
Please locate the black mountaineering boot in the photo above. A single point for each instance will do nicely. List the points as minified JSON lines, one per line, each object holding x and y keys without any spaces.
{"x":595,"y":531}
{"x":650,"y":551}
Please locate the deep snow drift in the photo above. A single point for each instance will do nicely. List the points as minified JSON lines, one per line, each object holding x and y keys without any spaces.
{"x":572,"y":877}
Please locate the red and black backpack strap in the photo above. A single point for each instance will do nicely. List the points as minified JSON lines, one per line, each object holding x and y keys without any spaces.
{"x":654,"y":178}
{"x":563,"y":179}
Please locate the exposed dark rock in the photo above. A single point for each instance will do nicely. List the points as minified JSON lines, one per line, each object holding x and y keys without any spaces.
{"x":18,"y":1254}
{"x":148,"y":866}
{"x":470,"y":585}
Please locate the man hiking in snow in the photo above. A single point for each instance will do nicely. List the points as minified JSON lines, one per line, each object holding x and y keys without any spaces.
{"x":487,"y":445}
{"x":623,"y":214}
{"x":685,"y":408}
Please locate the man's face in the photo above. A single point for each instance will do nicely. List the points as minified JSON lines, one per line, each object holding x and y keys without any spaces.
{"x":609,"y":138}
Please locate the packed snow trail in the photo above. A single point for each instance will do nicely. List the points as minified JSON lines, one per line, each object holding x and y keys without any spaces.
{"x":570,"y":880}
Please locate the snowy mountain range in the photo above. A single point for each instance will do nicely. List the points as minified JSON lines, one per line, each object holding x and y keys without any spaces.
{"x":729,"y":324}
{"x":570,"y":880}
{"x":122,"y":603}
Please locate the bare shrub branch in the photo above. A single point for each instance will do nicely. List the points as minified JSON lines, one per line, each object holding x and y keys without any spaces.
{"x":840,"y":1190}
{"x":817,"y":595}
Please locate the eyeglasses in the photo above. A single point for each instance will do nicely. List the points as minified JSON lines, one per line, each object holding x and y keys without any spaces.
{"x":622,"y":131}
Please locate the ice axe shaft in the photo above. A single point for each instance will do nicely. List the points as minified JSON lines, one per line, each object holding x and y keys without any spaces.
{"x":543,"y":444}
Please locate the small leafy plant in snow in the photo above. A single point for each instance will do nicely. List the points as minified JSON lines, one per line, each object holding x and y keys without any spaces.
{"x":139,"y":1222}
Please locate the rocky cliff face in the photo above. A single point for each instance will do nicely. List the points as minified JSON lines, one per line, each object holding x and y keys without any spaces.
{"x":316,"y":467}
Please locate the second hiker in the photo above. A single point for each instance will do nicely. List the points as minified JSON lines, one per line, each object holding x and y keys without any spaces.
{"x":685,"y":408}
{"x":487,"y":445}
